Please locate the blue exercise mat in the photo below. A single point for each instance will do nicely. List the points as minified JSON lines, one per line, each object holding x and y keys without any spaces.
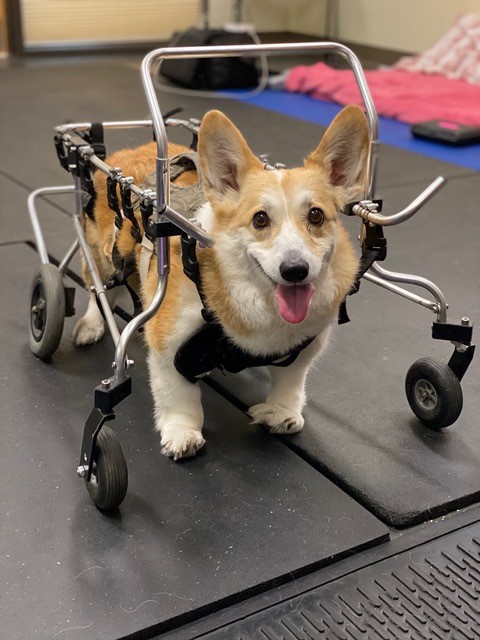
{"x":392,"y":132}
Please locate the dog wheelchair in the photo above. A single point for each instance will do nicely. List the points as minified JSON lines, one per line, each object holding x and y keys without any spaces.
{"x":432,"y":387}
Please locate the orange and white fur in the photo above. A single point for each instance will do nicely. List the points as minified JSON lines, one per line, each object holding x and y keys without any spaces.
{"x":281,"y":265}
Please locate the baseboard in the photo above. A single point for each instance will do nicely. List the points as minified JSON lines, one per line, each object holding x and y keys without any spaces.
{"x":367,"y":53}
{"x":376,"y":55}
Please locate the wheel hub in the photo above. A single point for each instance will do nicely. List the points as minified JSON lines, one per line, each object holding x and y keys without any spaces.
{"x":38,"y":311}
{"x":426,"y":394}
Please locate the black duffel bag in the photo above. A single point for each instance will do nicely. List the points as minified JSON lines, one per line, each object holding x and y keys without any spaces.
{"x":211,"y":73}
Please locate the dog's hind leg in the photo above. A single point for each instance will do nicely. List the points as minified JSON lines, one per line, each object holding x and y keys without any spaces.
{"x":282,"y":410}
{"x":178,"y":408}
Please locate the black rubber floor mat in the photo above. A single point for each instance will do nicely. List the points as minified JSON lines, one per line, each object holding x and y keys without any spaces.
{"x":429,"y":593}
{"x":190,"y":537}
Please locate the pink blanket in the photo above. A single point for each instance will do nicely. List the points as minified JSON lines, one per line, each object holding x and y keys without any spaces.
{"x":410,"y":97}
{"x":455,"y":55}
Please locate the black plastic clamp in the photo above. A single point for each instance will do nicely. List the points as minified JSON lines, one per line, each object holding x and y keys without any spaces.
{"x":61,"y":151}
{"x":74,"y":160}
{"x":461,"y":336}
{"x":191,"y":268}
{"x":95,"y":138}
{"x":163,"y":228}
{"x":461,"y":333}
{"x":109,"y":393}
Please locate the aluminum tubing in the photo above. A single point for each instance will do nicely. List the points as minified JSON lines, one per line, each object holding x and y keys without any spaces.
{"x":158,"y":55}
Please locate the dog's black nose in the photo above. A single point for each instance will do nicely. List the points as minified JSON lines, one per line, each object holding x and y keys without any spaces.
{"x":294,"y":270}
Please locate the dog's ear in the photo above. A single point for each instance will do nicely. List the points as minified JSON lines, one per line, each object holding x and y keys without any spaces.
{"x":224,"y":155}
{"x":343,"y":152}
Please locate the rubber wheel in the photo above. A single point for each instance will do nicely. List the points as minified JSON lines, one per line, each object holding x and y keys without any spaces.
{"x":47,"y":311}
{"x":109,"y":480}
{"x":434,"y":393}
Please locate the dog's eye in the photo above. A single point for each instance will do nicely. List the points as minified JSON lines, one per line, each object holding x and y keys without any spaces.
{"x":261,"y":220}
{"x":316,"y":216}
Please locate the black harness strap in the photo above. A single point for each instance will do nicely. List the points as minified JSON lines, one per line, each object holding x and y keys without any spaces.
{"x":129,"y":211}
{"x":112,"y":200}
{"x":191,"y":269}
{"x":208,"y":348}
{"x":369,"y":256}
{"x":95,"y":138}
{"x":124,"y":268}
{"x":86,"y":180}
{"x":374,"y":249}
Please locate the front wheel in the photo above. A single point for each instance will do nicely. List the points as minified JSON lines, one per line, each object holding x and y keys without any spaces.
{"x":109,"y":478}
{"x":434,"y":393}
{"x":47,"y":311}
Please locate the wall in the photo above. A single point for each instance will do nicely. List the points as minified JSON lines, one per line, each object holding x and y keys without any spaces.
{"x":404,"y":25}
{"x":300,"y":16}
{"x":399,"y":25}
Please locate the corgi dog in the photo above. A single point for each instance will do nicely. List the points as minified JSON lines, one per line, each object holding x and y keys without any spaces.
{"x":281,"y":265}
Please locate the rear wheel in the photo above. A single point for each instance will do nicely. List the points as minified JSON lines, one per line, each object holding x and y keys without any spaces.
{"x":47,"y":311}
{"x":434,"y":393}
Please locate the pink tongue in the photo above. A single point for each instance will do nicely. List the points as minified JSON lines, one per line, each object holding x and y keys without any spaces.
{"x":293,"y":301}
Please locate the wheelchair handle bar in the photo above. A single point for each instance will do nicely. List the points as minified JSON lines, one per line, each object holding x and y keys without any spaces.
{"x":367,"y":210}
{"x":157,"y":55}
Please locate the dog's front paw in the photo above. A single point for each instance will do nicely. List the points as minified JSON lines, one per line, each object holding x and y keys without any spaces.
{"x":88,"y":331}
{"x":276,"y":418}
{"x":181,"y":442}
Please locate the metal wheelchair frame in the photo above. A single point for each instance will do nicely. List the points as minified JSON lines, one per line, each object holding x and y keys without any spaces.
{"x":78,"y":150}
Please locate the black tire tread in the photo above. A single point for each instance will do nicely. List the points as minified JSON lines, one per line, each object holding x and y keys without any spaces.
{"x":112,"y":472}
{"x":51,"y":280}
{"x":448,"y":388}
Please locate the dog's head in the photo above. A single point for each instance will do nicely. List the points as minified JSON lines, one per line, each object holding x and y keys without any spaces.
{"x":281,"y":226}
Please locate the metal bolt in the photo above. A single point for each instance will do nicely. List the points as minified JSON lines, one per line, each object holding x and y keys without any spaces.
{"x":465,"y":321}
{"x":82,"y":471}
{"x":40,"y":306}
{"x":106,"y":383}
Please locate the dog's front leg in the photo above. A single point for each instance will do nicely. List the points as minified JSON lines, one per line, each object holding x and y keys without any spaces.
{"x":282,"y":410}
{"x":178,"y":408}
{"x":91,"y":326}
